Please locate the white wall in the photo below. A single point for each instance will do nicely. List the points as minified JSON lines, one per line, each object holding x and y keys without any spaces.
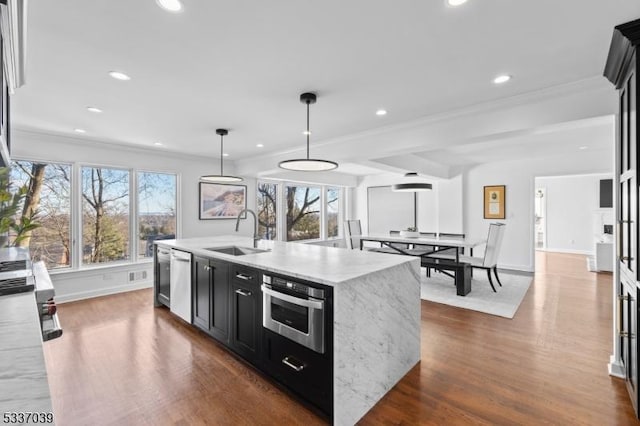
{"x":450,"y":202}
{"x":572,"y":212}
{"x":87,"y":283}
{"x":439,"y":210}
{"x":519,"y":177}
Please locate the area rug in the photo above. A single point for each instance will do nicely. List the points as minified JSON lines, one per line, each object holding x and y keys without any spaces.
{"x":440,"y":288}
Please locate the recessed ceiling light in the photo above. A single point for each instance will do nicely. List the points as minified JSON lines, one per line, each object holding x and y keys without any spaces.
{"x":94,"y":109}
{"x":502,"y":79}
{"x":158,"y":143}
{"x":80,"y":130}
{"x":170,"y":5}
{"x":381,"y":112}
{"x":119,"y":75}
{"x":583,"y":147}
{"x":260,"y":145}
{"x":225,"y":155}
{"x":456,"y":2}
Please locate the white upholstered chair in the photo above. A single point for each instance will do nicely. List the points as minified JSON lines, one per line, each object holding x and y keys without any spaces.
{"x":352,"y":230}
{"x":490,"y":260}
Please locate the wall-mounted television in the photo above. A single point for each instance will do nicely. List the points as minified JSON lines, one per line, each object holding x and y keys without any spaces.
{"x":606,"y":193}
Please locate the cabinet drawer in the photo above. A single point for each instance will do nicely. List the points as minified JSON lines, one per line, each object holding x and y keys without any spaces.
{"x":304,"y":371}
{"x":244,"y":274}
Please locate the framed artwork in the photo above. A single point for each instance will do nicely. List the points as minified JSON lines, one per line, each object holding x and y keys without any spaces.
{"x":494,"y":202}
{"x":222,"y":201}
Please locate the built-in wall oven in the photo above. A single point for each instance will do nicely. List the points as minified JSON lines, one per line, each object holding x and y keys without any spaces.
{"x":298,"y":337}
{"x":295,"y":311}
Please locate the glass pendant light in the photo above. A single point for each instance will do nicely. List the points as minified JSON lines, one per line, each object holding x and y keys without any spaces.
{"x":308,"y":164}
{"x":411,"y":183}
{"x":221,"y":178}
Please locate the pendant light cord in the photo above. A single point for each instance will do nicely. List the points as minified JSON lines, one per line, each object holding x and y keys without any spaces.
{"x":221,"y":154}
{"x":308,"y":132}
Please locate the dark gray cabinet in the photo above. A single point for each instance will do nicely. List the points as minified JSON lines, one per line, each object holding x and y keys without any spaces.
{"x":211,"y":297}
{"x":621,"y":70}
{"x":246,"y":312}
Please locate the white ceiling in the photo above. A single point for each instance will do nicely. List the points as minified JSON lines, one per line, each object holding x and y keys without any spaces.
{"x":242,"y":64}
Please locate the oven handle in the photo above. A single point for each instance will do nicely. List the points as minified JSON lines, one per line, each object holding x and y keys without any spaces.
{"x":314,"y":304}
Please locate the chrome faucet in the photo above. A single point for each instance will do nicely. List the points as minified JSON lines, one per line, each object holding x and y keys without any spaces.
{"x":255,"y":223}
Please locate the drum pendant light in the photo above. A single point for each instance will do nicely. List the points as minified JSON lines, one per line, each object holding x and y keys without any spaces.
{"x":221,"y":178}
{"x":308,"y":164}
{"x":411,"y":183}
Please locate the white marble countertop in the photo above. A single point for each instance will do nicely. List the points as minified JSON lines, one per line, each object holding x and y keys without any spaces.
{"x":324,"y":265}
{"x":23,"y":375}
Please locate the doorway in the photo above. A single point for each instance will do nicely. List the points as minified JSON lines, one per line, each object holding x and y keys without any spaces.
{"x":540,"y":224}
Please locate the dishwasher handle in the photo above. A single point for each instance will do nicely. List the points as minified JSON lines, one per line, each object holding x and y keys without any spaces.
{"x":181,"y":256}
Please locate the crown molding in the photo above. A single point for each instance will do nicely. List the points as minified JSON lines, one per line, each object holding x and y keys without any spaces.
{"x":105,"y":144}
{"x":624,"y":40}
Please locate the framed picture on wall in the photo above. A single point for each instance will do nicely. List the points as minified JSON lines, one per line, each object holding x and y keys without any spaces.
{"x":222,"y":201}
{"x":494,"y":202}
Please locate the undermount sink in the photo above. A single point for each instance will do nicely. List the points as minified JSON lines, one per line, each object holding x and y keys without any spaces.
{"x":236,"y":250}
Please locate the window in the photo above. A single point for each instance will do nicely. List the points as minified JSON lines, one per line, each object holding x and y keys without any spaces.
{"x":303,"y":213}
{"x":156,"y":210}
{"x":267,"y":211}
{"x":49,"y":215}
{"x":105,"y":215}
{"x":294,"y":211}
{"x":46,"y":203}
{"x":333,"y":212}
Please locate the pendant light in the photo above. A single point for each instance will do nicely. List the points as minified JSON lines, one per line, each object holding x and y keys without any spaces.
{"x":308,"y":164}
{"x":411,"y":183}
{"x":221,"y":178}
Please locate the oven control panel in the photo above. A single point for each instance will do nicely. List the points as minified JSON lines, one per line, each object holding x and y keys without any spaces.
{"x":278,"y":282}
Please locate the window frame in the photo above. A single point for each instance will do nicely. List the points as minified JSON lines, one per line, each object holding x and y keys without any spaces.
{"x":80,"y":235}
{"x":75,"y":223}
{"x":281,"y":208}
{"x":72,"y":248}
{"x":136,"y":226}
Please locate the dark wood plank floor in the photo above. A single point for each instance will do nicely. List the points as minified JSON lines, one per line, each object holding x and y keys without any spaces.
{"x":120,"y":361}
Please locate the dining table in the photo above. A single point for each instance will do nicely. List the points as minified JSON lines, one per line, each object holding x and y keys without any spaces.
{"x":427,"y":248}
{"x":423,"y":246}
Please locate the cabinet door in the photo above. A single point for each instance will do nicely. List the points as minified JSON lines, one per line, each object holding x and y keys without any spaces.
{"x":627,"y":169}
{"x":201,"y":293}
{"x":220,"y":300}
{"x":246,"y":319}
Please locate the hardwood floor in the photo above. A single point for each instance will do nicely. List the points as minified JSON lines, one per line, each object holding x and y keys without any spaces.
{"x":121,"y":361}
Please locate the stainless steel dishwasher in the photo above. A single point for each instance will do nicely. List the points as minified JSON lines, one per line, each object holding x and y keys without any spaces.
{"x":181,"y":284}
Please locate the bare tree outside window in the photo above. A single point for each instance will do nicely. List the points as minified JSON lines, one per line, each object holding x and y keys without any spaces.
{"x":156,"y":210}
{"x":105,"y":214}
{"x":303,"y":213}
{"x":267,"y":217}
{"x":333,"y":212}
{"x":48,"y":204}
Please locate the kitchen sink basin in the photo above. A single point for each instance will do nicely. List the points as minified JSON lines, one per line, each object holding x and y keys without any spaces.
{"x":236,"y":250}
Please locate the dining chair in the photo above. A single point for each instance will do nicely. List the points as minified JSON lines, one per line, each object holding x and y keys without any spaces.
{"x":353,"y":229}
{"x":490,"y":260}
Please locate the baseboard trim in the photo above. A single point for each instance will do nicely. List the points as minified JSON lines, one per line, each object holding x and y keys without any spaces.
{"x":73,"y":297}
{"x":516,"y":268}
{"x":568,"y":251}
{"x":615,"y":368}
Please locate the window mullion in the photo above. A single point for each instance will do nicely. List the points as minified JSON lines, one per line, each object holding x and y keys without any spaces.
{"x":77,"y":245}
{"x":323,"y":213}
{"x":133,"y":215}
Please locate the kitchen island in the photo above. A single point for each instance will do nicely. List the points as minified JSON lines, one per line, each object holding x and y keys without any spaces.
{"x":376,"y":310}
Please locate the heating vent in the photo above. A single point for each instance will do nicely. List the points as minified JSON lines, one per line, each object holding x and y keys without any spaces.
{"x":137,"y":275}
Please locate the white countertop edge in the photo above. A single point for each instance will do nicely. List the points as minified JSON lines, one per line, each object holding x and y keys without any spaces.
{"x":323,"y":265}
